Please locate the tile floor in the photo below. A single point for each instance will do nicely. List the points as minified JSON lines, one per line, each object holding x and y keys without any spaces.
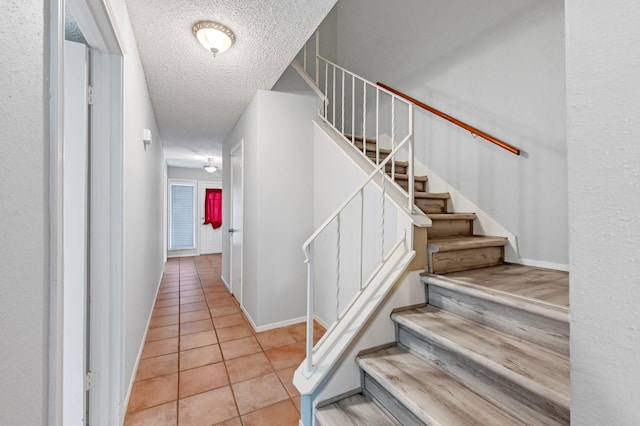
{"x":203,"y":364}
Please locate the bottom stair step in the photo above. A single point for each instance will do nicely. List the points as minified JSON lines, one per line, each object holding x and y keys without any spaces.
{"x":415,"y":391}
{"x":355,"y":410}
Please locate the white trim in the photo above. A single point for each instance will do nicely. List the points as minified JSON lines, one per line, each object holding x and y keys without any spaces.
{"x":173,"y":256}
{"x":132,"y":380}
{"x":238,"y":147}
{"x":56,"y":253}
{"x":274,"y":325}
{"x":544,"y":264}
{"x":225,"y":282}
{"x":320,"y":321}
{"x":308,"y":79}
{"x":97,"y":23}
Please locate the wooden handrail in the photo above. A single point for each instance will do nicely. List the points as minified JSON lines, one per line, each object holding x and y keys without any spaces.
{"x":502,"y":144}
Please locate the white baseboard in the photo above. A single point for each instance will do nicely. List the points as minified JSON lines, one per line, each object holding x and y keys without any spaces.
{"x":132,"y":379}
{"x":173,"y":256}
{"x":225,"y":282}
{"x":319,"y":321}
{"x":272,"y":325}
{"x":543,"y":264}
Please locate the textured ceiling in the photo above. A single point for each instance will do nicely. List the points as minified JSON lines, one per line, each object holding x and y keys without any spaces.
{"x":198,"y":98}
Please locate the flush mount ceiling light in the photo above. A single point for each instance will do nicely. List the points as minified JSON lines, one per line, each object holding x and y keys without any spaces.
{"x":214,"y":37}
{"x":209,"y":167}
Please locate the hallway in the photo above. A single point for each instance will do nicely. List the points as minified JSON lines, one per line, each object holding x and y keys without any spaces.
{"x":203,"y":364}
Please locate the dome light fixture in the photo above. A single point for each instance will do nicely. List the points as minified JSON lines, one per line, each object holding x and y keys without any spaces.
{"x":213,"y":36}
{"x":209,"y":167}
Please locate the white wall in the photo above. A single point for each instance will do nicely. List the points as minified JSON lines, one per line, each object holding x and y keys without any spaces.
{"x":143,"y":201}
{"x":497,"y":64}
{"x":24,"y":218}
{"x":603,"y":53}
{"x":197,"y":175}
{"x":278,"y":217}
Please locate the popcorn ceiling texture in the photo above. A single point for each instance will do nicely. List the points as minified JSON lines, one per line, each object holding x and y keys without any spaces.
{"x":198,"y":98}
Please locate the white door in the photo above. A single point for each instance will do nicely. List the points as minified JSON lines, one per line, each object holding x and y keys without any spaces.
{"x":235,"y":227}
{"x":75,"y":234}
{"x":210,"y":240}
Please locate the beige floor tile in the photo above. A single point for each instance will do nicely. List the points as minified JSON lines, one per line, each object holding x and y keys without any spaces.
{"x":258,"y":393}
{"x":281,"y":414}
{"x":286,"y":356}
{"x":192,"y":291}
{"x":168,"y":295}
{"x":199,"y":357}
{"x":296,"y":402}
{"x":165,"y":415}
{"x":207,"y":408}
{"x":234,"y":332}
{"x":169,"y":310}
{"x":157,"y":366}
{"x":191,"y":299}
{"x":190,"y":307}
{"x":160,"y":347}
{"x":240,"y":347}
{"x":194,"y":316}
{"x":202,"y":379}
{"x":229,"y":320}
{"x":286,"y":377}
{"x":152,"y":392}
{"x":195,"y":327}
{"x":248,"y":367}
{"x":163,"y":321}
{"x":165,"y":332}
{"x":275,"y":338}
{"x":196,"y":340}
{"x":233,"y":422}
{"x":226,"y":310}
{"x":167,"y":302}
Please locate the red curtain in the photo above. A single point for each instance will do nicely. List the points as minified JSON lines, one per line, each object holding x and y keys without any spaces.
{"x":213,"y":207}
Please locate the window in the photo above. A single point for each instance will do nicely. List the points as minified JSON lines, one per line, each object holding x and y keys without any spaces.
{"x":182,"y":215}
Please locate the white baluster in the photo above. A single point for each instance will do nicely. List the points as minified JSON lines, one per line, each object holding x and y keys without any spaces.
{"x":393,"y":136}
{"x":364,"y":118}
{"x":338,"y":270}
{"x":342,"y":119}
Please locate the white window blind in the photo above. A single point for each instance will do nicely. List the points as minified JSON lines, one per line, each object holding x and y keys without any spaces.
{"x":182,"y":216}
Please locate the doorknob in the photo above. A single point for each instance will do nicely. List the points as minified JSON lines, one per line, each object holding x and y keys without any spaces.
{"x":231,"y":230}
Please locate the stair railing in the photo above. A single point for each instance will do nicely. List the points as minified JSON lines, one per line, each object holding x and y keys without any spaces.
{"x":309,"y":253}
{"x":379,"y":125}
{"x":475,"y":132}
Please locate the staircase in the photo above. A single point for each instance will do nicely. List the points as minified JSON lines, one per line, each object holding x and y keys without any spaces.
{"x":470,"y":355}
{"x":452,"y":245}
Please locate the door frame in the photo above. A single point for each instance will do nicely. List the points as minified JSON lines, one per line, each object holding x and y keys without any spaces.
{"x":204,"y":184}
{"x":239,"y":147}
{"x":106,"y":398}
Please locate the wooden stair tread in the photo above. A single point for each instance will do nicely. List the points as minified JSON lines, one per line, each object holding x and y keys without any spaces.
{"x":465,"y":243}
{"x":432,"y":195}
{"x":430,"y":394}
{"x":452,"y":216}
{"x":402,"y":176}
{"x":542,"y":371}
{"x":355,"y":410}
